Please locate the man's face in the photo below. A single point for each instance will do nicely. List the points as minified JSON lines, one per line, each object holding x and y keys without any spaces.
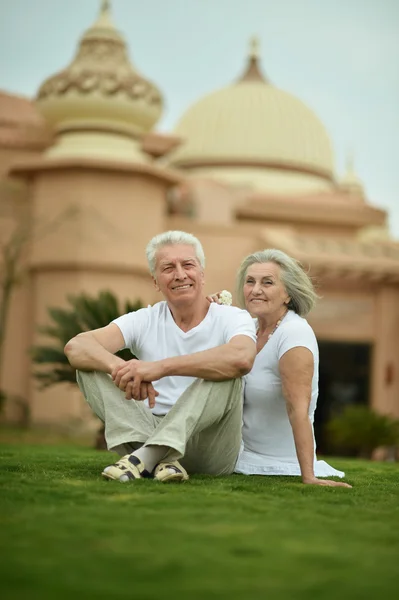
{"x":178,"y":274}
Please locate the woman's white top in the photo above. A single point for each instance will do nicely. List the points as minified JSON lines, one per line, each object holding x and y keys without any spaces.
{"x":268,"y":441}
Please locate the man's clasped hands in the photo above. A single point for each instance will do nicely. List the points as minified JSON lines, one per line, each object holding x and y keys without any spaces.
{"x":134,"y":377}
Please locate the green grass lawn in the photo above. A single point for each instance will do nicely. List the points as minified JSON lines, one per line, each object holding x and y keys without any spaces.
{"x":67,"y":533}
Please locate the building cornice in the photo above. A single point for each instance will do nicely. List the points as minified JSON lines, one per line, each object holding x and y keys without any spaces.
{"x":187,"y":164}
{"x":339,"y":259}
{"x":328,"y":209}
{"x":29,"y":168}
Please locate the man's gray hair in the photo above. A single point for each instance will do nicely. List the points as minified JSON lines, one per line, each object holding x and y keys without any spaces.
{"x":297,"y":283}
{"x":171,"y":238}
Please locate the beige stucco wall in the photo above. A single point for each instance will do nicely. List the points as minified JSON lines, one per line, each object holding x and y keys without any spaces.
{"x":14,"y":207}
{"x":115,"y":210}
{"x":345,"y":316}
{"x":385,"y":384}
{"x":9,"y":156}
{"x":14,"y":376}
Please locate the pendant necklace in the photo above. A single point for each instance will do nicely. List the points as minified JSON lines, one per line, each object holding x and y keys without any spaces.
{"x":276,"y":327}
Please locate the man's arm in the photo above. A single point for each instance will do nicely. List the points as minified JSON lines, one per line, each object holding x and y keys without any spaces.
{"x":228,"y":361}
{"x":94,"y":350}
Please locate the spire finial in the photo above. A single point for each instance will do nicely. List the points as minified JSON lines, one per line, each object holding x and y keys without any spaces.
{"x":104,"y":18}
{"x":253,"y":71}
{"x":105,"y":6}
{"x":350,"y":182}
{"x":350,"y":161}
{"x":254,"y":47}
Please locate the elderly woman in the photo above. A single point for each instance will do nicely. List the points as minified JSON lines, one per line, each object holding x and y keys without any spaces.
{"x":282,"y":388}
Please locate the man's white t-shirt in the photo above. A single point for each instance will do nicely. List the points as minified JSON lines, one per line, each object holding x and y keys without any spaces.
{"x":151,"y":334}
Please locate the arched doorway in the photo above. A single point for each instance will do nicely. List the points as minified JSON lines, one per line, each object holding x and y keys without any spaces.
{"x":344,"y":379}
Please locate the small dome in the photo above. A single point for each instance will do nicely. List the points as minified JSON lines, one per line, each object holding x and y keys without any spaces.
{"x":100,"y":91}
{"x":254,"y":123}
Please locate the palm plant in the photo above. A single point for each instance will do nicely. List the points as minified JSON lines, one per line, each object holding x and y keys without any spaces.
{"x":83,"y":314}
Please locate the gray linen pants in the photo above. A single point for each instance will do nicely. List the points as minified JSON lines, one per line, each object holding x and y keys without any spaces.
{"x":203,"y":428}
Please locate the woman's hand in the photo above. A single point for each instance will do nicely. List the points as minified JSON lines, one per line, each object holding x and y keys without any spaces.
{"x":223,"y":297}
{"x":214,"y":298}
{"x":326,"y":482}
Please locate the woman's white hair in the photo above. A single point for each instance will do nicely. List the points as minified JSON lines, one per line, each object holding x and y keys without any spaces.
{"x":297,"y":283}
{"x":171,"y":238}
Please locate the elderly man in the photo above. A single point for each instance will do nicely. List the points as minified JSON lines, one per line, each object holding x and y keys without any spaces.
{"x":182,"y":399}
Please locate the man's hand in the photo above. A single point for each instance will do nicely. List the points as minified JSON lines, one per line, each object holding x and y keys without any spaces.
{"x":147,"y":390}
{"x":135,"y":377}
{"x":326,"y":482}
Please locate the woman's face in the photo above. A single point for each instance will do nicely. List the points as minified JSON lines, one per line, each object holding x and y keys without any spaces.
{"x":264,"y":292}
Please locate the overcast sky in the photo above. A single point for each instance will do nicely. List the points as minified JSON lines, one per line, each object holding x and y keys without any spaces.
{"x":340,"y":57}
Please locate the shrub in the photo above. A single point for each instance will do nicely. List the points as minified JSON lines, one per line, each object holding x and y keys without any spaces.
{"x":358,"y":431}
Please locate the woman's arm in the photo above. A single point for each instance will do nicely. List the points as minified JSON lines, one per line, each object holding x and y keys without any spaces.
{"x":296,"y":370}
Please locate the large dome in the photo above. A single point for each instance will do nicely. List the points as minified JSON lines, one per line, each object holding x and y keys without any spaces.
{"x":254,"y":123}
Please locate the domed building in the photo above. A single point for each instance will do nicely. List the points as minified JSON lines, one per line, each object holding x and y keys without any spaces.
{"x":253,"y":135}
{"x":248,"y":166}
{"x":100,"y":105}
